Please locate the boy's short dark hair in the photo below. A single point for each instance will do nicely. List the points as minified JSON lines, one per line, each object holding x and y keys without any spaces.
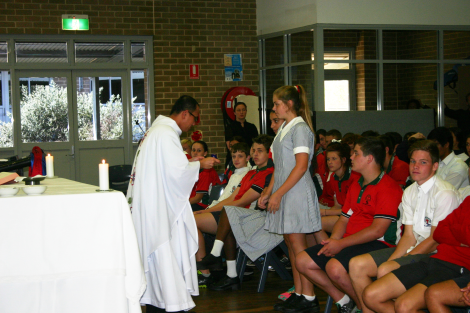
{"x":397,"y":138}
{"x":370,"y":133}
{"x":425,"y":145}
{"x":372,"y":146}
{"x":238,"y":138}
{"x":388,"y":143}
{"x":264,"y":140}
{"x":442,"y":135}
{"x":240,"y":147}
{"x":335,"y":133}
{"x":321,"y":131}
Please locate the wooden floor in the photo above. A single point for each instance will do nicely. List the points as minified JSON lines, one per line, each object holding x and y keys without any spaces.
{"x":247,"y":299}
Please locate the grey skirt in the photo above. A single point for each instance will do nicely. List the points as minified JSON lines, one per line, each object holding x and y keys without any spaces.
{"x":248,"y":228}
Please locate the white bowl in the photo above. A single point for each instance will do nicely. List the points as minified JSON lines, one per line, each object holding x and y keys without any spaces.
{"x":8,"y":191}
{"x":34,"y":190}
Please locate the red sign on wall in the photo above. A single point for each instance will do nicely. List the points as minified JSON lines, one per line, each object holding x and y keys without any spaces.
{"x":194,"y":71}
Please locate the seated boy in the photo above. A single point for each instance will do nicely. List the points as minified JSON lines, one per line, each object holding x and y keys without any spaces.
{"x":425,"y":203}
{"x":451,"y":168}
{"x":241,"y":166}
{"x":322,"y":169}
{"x":394,"y":167}
{"x":370,"y":207}
{"x":229,"y":170}
{"x":246,"y":194}
{"x":408,"y":283}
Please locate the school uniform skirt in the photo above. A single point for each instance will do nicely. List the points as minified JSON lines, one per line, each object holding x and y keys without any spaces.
{"x":248,"y":228}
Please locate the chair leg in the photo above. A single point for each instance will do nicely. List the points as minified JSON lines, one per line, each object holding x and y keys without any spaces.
{"x":329,"y":304}
{"x":241,"y":264}
{"x":274,"y":261}
{"x":264,"y":273}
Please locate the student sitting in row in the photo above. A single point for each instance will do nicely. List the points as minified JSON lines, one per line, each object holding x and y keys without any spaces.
{"x":370,"y":207}
{"x":451,"y":168}
{"x":425,"y":203}
{"x":342,"y":176}
{"x":321,"y":141}
{"x":321,"y":158}
{"x":230,"y":167}
{"x":240,"y":159}
{"x":394,"y":167}
{"x":186,"y":144}
{"x":207,"y":178}
{"x":409,"y":283}
{"x":245,"y":195}
{"x":243,"y":226}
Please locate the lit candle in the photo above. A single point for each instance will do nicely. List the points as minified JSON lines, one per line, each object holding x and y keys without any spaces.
{"x":104,"y":175}
{"x":49,"y":166}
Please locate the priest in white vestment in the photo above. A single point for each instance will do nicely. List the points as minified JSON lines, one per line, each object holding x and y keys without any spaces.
{"x":158,"y":195}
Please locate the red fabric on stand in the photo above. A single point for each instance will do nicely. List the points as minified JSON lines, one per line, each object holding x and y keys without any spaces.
{"x":36,"y":169}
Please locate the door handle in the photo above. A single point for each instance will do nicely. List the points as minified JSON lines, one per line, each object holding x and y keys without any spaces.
{"x":73,"y":152}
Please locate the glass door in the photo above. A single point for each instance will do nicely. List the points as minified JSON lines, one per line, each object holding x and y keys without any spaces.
{"x":101,"y":110}
{"x":44,"y":117}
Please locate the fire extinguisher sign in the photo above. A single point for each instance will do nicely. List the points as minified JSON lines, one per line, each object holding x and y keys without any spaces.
{"x":194,"y":71}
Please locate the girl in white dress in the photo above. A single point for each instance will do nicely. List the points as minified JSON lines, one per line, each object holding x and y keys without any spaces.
{"x":290,"y":198}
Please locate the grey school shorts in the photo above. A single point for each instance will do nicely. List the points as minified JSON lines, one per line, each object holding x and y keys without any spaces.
{"x":381,"y":256}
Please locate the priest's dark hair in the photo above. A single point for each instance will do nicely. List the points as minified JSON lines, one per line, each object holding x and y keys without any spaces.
{"x":184,"y":103}
{"x":264,"y":140}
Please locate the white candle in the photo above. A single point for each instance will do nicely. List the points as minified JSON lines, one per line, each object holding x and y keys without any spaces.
{"x":104,"y":175}
{"x":49,"y":166}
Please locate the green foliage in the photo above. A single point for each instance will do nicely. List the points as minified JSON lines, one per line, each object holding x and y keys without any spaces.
{"x":44,"y":117}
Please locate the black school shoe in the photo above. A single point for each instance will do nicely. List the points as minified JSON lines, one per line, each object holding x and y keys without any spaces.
{"x":281,"y":305}
{"x":210,"y":262}
{"x":226,"y":283}
{"x":204,"y":281}
{"x":302,"y":305}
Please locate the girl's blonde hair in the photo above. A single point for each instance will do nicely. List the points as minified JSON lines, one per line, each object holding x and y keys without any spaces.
{"x":299,"y":99}
{"x":186,"y":141}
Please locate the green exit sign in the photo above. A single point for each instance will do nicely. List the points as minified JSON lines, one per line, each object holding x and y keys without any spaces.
{"x":75,"y":22}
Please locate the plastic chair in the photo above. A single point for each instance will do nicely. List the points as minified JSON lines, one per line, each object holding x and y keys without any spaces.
{"x":270,"y":259}
{"x":119,"y":176}
{"x":216,"y":192}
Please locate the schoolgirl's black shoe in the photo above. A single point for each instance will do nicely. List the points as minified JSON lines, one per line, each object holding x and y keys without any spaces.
{"x":210,"y":262}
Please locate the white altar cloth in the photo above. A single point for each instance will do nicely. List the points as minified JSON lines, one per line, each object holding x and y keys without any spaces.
{"x":69,"y":250}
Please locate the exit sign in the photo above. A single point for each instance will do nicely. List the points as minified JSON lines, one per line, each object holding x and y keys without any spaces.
{"x":75,"y":22}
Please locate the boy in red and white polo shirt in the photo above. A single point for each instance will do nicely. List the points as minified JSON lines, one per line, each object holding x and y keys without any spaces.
{"x":371,"y":206}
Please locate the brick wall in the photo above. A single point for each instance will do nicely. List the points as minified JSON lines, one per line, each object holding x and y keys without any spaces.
{"x":185,"y":32}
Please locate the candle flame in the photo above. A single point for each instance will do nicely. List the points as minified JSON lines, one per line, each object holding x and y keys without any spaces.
{"x":103,"y":161}
{"x":48,"y":154}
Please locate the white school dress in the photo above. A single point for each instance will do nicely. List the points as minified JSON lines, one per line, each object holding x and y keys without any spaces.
{"x":299,"y":211}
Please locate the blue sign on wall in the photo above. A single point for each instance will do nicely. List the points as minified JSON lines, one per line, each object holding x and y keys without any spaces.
{"x":233,"y":67}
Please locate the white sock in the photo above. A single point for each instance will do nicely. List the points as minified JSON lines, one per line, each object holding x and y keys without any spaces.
{"x":344,"y":300}
{"x":309,"y":298}
{"x":205,"y":275}
{"x":298,"y":294}
{"x":217,"y":248}
{"x":232,"y":269}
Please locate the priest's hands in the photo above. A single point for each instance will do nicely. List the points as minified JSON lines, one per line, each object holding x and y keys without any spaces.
{"x":207,"y":163}
{"x":195,"y":159}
